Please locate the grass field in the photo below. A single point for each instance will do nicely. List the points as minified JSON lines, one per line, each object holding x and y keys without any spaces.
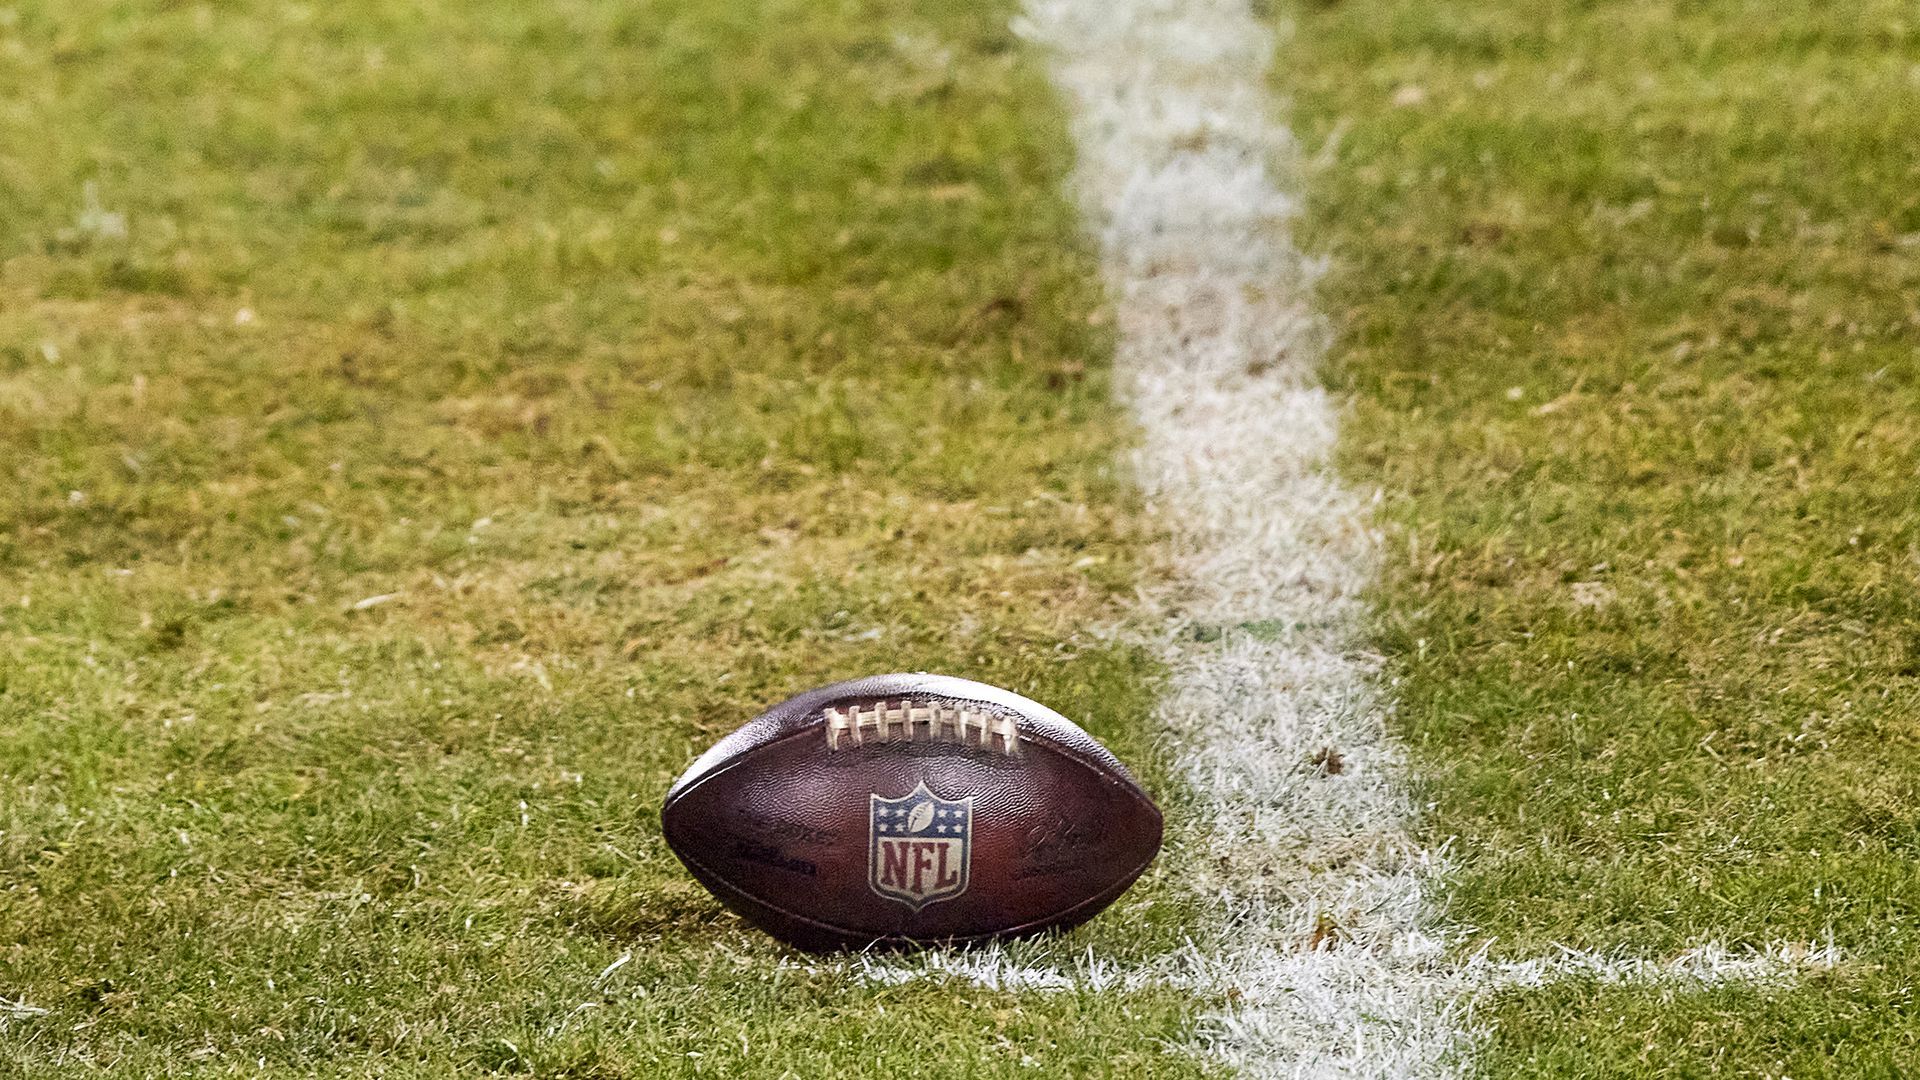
{"x":1626,"y":300}
{"x":426,"y":426}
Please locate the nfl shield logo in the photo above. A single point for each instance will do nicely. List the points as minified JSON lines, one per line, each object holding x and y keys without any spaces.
{"x":920,"y":846}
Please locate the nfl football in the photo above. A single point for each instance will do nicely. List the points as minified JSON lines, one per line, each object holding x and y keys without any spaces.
{"x":910,"y":809}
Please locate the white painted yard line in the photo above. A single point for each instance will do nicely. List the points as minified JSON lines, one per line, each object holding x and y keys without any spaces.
{"x":1324,"y":943}
{"x":1035,"y":967}
{"x":1328,"y":949}
{"x":1273,"y":699}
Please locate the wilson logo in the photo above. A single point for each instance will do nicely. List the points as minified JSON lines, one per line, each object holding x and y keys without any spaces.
{"x":921,"y":847}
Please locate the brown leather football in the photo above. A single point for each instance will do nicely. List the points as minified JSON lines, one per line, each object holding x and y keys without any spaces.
{"x":910,"y":809}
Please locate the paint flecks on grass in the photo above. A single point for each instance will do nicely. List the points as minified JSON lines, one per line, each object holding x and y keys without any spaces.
{"x":1323,"y":945}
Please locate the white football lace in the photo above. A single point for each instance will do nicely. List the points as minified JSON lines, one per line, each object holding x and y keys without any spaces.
{"x":920,"y":721}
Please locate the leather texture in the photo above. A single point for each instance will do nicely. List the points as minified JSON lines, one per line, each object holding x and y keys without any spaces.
{"x":795,"y":835}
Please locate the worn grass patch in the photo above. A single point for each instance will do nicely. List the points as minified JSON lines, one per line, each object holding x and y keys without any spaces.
{"x":1625,"y":295}
{"x":424,"y":427}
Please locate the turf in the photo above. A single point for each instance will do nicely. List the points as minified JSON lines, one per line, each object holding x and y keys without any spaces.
{"x":425,"y":427}
{"x":1624,"y":293}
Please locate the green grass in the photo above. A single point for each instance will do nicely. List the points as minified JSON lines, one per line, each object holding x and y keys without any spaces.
{"x":1625,"y":296}
{"x":424,"y":427}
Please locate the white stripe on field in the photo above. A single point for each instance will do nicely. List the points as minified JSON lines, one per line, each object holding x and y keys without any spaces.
{"x":1323,"y":943}
{"x":1327,"y":953}
{"x":1327,"y":948}
{"x":1027,"y":966}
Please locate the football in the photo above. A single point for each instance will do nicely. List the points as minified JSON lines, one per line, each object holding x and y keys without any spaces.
{"x":908,"y":810}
